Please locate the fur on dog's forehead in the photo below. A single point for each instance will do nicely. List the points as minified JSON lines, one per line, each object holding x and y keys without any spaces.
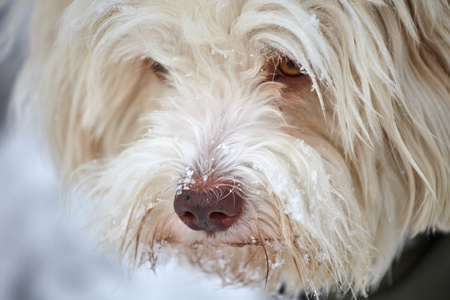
{"x":202,"y":32}
{"x":208,"y":39}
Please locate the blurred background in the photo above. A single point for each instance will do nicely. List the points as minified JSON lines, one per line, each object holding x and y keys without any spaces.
{"x":44,"y":255}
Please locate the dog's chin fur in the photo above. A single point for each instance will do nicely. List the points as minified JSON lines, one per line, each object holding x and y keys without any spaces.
{"x":337,"y":168}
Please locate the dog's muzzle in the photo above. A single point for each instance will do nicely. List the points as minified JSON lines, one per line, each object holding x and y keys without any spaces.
{"x":209,"y":211}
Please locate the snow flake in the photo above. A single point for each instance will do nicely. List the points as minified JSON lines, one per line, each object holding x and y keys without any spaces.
{"x":128,"y":9}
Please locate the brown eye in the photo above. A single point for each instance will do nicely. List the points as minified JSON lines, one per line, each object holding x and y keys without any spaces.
{"x":288,"y":67}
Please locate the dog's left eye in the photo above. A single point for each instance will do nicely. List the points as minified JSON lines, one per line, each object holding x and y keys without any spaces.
{"x":158,"y":68}
{"x":287,"y":67}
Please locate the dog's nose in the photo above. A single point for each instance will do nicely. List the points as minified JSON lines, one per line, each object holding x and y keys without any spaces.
{"x":208,"y":211}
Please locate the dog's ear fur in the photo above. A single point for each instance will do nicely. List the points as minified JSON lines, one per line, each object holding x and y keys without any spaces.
{"x":92,"y":101}
{"x":419,"y":140}
{"x":390,"y":76}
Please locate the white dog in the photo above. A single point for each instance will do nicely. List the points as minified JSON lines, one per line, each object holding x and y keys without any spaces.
{"x":288,"y":142}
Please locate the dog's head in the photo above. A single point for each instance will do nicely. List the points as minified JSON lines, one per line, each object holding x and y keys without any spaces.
{"x":266,"y":141}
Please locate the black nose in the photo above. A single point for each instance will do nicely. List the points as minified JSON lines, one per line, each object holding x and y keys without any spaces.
{"x":208,"y":211}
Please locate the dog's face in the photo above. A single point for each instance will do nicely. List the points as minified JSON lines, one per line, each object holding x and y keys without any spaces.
{"x":266,"y":141}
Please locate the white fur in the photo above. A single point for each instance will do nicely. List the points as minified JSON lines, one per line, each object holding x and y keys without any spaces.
{"x":337,"y":168}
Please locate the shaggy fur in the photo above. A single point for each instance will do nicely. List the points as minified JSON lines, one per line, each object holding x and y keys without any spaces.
{"x":337,"y":168}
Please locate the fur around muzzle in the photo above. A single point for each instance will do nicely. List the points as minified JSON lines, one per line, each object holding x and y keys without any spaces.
{"x":238,"y":138}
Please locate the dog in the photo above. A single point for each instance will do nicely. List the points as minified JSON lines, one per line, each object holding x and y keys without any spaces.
{"x":277,"y":143}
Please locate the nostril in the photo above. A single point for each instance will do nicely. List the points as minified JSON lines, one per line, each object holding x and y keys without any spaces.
{"x":188,"y":216}
{"x":218,"y":216}
{"x":223,"y":221}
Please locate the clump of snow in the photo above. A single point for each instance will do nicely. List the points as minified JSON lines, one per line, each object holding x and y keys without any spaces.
{"x":294,"y":208}
{"x":153,"y":204}
{"x":306,"y":149}
{"x":313,"y":21}
{"x":186,"y":181}
{"x":128,"y":9}
{"x":225,"y":149}
{"x":314,"y":176}
{"x":322,"y":256}
{"x":306,"y":258}
{"x":189,"y":172}
{"x":278,"y":261}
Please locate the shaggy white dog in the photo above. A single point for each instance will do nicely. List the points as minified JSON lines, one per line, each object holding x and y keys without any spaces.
{"x":271,"y":142}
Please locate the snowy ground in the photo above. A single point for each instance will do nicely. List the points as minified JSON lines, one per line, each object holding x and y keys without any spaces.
{"x":45,"y":256}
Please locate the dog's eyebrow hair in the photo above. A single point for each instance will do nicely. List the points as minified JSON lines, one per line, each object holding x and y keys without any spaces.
{"x":273,"y":64}
{"x":274,"y":74}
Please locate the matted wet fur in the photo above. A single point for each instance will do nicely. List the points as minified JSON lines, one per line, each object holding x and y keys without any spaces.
{"x":337,"y":164}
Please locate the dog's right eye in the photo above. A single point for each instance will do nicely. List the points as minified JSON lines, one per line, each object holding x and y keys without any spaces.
{"x":155,"y":66}
{"x":158,"y":68}
{"x":287,"y":67}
